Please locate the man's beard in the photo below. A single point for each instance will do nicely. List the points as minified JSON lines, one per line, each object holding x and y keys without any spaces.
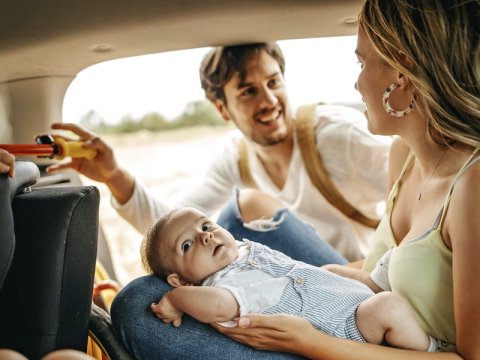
{"x":271,"y":139}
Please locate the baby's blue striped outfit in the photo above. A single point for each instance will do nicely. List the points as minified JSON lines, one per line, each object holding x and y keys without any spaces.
{"x":328,"y":301}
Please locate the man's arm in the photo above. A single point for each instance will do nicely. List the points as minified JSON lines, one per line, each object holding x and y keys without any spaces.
{"x":103,"y":168}
{"x":131,"y":199}
{"x":204,"y":303}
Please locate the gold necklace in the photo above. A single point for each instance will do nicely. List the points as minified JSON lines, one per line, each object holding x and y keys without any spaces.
{"x":431,"y":175}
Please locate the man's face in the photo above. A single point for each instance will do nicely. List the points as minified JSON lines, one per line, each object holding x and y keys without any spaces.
{"x":194,"y":247}
{"x":258,"y":104}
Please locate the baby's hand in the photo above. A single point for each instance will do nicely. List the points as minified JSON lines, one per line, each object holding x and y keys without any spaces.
{"x":7,"y":163}
{"x":165,"y":311}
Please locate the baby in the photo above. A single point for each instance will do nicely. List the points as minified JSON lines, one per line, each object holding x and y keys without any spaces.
{"x":217,"y":278}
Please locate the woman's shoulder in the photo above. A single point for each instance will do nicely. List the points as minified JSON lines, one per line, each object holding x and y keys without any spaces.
{"x":466,"y":190}
{"x":464,"y":207}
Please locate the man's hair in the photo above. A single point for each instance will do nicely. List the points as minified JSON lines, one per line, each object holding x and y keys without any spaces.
{"x":150,"y":248}
{"x":436,"y":45}
{"x":222,"y":63}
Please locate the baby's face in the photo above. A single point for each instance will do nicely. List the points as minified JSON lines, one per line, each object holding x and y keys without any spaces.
{"x":194,"y":247}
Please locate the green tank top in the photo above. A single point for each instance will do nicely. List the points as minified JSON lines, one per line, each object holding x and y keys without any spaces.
{"x":421,"y":269}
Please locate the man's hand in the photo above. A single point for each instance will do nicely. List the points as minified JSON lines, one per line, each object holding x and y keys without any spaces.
{"x":102,"y":168}
{"x":165,"y":311}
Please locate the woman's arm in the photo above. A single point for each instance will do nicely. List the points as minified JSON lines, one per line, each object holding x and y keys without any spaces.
{"x":461,"y":232}
{"x":355,"y":274}
{"x":292,"y":334}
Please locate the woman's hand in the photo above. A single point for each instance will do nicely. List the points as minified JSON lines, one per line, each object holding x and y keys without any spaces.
{"x":270,"y":332}
{"x":7,"y":163}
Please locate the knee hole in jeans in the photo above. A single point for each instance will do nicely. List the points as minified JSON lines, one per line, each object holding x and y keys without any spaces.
{"x":255,"y":204}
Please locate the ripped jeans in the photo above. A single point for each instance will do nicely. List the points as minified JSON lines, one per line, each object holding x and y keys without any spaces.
{"x":147,"y":337}
{"x":284,"y":232}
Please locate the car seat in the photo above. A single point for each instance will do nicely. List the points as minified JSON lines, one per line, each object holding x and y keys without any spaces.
{"x":48,"y":248}
{"x":47,"y":263}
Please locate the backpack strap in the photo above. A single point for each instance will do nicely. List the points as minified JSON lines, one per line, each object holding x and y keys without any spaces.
{"x":316,"y":169}
{"x":245,"y":174}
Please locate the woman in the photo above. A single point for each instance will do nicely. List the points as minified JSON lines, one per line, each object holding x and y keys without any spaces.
{"x":427,"y":55}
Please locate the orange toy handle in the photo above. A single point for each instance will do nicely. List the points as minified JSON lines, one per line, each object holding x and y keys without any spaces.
{"x":60,"y":149}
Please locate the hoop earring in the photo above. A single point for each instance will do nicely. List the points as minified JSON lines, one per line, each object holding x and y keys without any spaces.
{"x":388,"y":108}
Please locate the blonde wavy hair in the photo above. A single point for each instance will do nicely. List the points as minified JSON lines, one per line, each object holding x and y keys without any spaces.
{"x":436,"y":45}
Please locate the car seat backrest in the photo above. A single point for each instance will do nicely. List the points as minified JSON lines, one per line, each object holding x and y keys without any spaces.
{"x":46,"y":297}
{"x":27,"y":173}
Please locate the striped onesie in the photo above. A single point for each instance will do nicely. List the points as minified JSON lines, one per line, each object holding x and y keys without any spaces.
{"x":266,"y":281}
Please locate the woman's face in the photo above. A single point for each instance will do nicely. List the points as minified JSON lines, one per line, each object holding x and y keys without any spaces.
{"x":375,"y":77}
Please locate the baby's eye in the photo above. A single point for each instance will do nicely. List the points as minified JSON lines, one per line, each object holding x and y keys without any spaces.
{"x":206,"y":226}
{"x":186,"y":245}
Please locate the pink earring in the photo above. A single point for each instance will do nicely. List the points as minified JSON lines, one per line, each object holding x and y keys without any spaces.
{"x":388,"y":108}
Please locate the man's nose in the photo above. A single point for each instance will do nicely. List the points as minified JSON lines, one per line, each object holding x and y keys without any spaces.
{"x":269,"y":98}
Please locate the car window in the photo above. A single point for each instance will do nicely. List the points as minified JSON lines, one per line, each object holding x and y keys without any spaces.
{"x":126,"y":91}
{"x":322,"y":69}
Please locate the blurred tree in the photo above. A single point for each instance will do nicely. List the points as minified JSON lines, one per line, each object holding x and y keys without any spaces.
{"x":200,"y":113}
{"x":94,"y":121}
{"x":196,"y":113}
{"x":127,"y":125}
{"x":153,"y":122}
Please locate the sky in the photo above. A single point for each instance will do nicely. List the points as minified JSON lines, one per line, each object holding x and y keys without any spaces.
{"x":317,"y":70}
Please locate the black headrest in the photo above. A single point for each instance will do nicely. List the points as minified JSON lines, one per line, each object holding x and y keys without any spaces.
{"x":26,"y":174}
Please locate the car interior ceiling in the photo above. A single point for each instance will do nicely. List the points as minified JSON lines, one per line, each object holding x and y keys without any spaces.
{"x":45,"y":44}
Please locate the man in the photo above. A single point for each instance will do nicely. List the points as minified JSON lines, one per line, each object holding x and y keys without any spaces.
{"x":246,"y":85}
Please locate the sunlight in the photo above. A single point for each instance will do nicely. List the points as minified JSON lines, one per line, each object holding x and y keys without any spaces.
{"x":316,"y":70}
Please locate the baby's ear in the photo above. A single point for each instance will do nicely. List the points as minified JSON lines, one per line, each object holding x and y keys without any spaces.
{"x":176,"y":281}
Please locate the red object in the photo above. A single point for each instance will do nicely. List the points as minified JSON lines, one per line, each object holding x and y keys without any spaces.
{"x":27,"y":149}
{"x":105,"y":285}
